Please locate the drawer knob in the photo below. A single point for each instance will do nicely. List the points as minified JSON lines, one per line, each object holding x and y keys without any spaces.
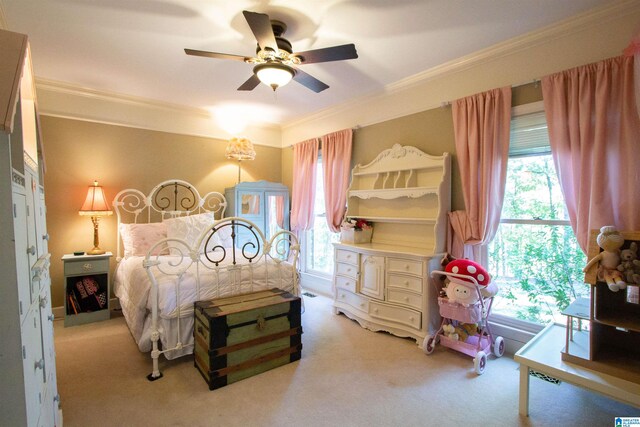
{"x":406,"y":267}
{"x":411,"y":318}
{"x":87,"y":266}
{"x":50,"y":317}
{"x":43,"y":302}
{"x":45,"y":237}
{"x":31,"y":250}
{"x":406,"y":299}
{"x":361,"y":304}
{"x":406,"y":283}
{"x":375,"y":310}
{"x":348,"y":270}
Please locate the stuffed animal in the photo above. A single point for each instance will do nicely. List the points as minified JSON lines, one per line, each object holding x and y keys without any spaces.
{"x":450,"y":332}
{"x":463,"y":275}
{"x":460,"y":332}
{"x":629,"y":265}
{"x":462,"y":294}
{"x":610,"y":240}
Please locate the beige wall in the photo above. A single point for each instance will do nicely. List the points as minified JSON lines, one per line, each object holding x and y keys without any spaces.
{"x":78,"y":152}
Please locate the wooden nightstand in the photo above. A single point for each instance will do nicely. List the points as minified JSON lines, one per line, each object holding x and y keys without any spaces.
{"x":86,"y":279}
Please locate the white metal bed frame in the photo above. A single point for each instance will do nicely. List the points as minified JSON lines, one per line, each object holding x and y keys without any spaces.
{"x":175,"y":198}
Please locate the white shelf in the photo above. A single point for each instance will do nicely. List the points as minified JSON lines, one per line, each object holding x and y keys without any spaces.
{"x":393,"y":193}
{"x":381,"y":171}
{"x":395,"y":219}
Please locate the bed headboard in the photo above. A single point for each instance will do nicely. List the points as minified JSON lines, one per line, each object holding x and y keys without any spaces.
{"x":169,"y":199}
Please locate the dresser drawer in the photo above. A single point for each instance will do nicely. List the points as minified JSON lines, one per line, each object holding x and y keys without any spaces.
{"x":408,"y":266}
{"x":346,"y":283}
{"x":354,"y":300}
{"x":348,"y":257}
{"x":406,"y":316}
{"x":403,"y":281}
{"x":403,"y":297}
{"x":347,"y":270}
{"x":85,"y":266}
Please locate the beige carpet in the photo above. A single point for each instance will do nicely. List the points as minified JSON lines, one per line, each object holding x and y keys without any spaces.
{"x":347,"y":376}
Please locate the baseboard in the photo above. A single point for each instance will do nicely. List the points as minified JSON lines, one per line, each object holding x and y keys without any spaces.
{"x":316,"y":284}
{"x":514,"y":338}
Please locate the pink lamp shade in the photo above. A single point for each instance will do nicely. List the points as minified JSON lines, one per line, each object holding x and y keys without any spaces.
{"x":96,"y":203}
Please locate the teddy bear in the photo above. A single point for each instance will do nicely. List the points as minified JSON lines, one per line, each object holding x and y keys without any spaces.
{"x":630,"y":265}
{"x":610,"y":240}
{"x":460,"y":332}
{"x":450,"y":331}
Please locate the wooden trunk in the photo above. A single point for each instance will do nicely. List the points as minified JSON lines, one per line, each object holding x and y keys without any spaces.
{"x":244,"y":335}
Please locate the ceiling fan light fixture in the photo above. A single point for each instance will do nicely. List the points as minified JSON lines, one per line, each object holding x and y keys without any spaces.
{"x":274,"y":74}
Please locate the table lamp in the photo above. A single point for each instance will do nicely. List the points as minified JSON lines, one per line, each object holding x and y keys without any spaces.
{"x":95,"y":206}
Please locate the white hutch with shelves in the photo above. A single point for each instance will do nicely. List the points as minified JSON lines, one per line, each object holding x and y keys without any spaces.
{"x":385,"y":284}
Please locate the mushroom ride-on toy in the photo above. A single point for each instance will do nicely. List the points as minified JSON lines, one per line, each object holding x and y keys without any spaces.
{"x":466,"y":295}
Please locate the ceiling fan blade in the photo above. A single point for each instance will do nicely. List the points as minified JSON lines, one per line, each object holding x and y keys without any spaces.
{"x":309,"y":81}
{"x":216,"y":55}
{"x":251,"y":83}
{"x":260,"y":24}
{"x":335,"y":53}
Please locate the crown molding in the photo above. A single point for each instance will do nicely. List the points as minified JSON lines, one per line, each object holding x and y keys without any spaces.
{"x":64,"y":100}
{"x":564,"y":28}
{"x":113,"y":97}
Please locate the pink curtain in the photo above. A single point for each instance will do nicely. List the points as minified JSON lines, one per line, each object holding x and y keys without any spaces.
{"x":481,"y":126}
{"x":634,"y":50}
{"x":305,"y":159}
{"x":336,"y":165}
{"x":594,"y":131}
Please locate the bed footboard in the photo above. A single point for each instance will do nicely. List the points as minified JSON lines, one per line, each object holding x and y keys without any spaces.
{"x":230,"y":257}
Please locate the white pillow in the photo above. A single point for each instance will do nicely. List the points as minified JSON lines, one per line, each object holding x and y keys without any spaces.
{"x":137,"y":239}
{"x":223,"y":237}
{"x":188,"y":228}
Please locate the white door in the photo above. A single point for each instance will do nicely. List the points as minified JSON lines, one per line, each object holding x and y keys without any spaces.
{"x":23,"y":270}
{"x":372,"y":276}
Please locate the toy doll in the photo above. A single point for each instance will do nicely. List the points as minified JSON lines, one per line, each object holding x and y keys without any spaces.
{"x":610,"y":240}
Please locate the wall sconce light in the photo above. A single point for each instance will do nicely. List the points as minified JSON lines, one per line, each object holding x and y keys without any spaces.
{"x":240,"y":149}
{"x":95,"y":206}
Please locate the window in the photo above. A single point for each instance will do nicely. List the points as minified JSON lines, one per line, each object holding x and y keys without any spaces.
{"x":318,"y":241}
{"x":535,"y":257}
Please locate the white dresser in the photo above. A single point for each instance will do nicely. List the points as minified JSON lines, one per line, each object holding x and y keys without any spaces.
{"x":385,"y":284}
{"x":28,"y":394}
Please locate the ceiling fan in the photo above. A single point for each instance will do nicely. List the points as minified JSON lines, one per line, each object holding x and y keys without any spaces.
{"x":275,"y":60}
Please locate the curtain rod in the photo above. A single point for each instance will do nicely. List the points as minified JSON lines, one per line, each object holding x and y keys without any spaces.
{"x":354,"y":128}
{"x":536,"y":84}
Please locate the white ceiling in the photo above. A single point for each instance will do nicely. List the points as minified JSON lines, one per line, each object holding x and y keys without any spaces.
{"x":135,"y":47}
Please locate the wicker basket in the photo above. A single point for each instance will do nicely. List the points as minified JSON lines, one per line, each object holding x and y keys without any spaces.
{"x":351,"y":235}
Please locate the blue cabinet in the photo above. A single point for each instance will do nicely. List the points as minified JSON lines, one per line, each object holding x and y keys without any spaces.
{"x":264,"y":203}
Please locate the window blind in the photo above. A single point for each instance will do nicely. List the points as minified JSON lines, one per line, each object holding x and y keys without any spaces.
{"x":529,"y":135}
